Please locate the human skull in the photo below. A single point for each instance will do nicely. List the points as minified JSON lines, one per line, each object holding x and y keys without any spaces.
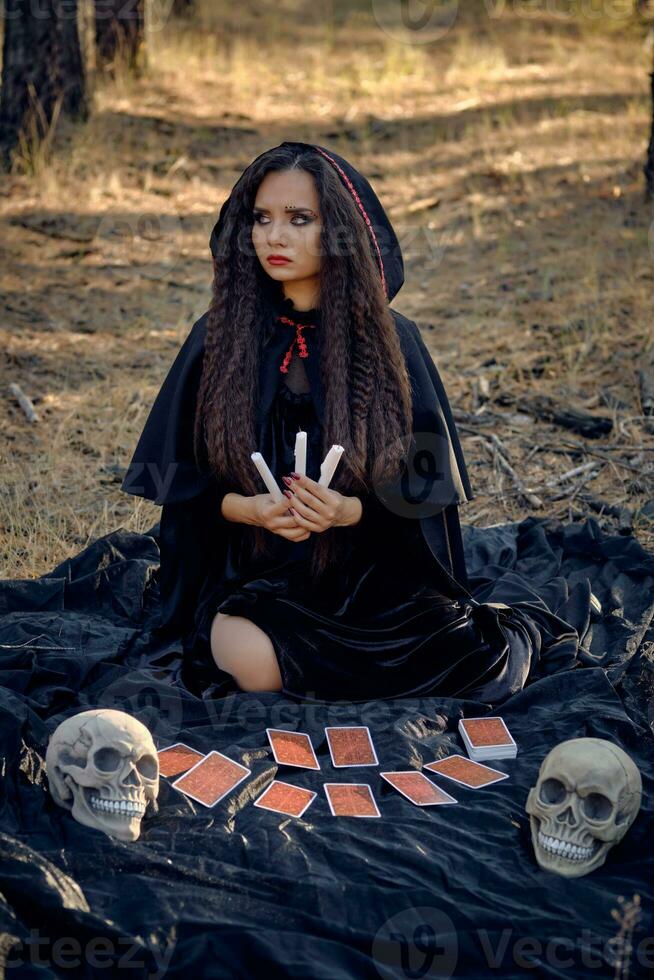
{"x":586,"y":797}
{"x":103,"y":766}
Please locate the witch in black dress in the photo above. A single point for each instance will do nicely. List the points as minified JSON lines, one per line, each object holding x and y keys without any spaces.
{"x":353,"y":591}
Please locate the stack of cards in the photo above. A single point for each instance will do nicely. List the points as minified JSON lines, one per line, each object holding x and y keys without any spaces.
{"x":487,"y":738}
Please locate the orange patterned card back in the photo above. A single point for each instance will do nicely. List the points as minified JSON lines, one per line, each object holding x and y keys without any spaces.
{"x":285,"y":798}
{"x":292,"y":748}
{"x":177,"y":758}
{"x":212,"y":778}
{"x":351,"y":746}
{"x":466,"y":771}
{"x":416,"y":787}
{"x":351,"y":800}
{"x":487,"y":731}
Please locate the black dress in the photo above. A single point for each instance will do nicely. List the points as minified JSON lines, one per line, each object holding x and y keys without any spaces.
{"x":367,"y":632}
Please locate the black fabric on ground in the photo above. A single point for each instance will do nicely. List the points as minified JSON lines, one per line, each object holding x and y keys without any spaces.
{"x":235,"y":891}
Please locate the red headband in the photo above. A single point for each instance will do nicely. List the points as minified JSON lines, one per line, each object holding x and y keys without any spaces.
{"x":363,"y":211}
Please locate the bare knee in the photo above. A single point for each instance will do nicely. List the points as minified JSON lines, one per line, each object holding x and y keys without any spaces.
{"x":245,"y":651}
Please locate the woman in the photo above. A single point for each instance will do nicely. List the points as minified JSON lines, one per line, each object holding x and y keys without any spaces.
{"x":354,"y":591}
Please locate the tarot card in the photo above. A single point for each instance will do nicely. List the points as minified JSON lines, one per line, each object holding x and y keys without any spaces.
{"x":285,"y":798}
{"x":466,"y":772}
{"x":351,"y":800}
{"x":417,"y":788}
{"x":351,"y":745}
{"x":177,"y":758}
{"x":212,"y":778}
{"x":292,"y":748}
{"x":487,"y":738}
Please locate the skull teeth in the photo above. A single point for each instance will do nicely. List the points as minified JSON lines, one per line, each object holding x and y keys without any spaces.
{"x":564,"y":849}
{"x":128,"y":808}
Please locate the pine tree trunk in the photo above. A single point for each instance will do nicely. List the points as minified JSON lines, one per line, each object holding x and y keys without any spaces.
{"x":42,"y":72}
{"x":183,"y":8}
{"x":648,"y":169}
{"x":120,"y":35}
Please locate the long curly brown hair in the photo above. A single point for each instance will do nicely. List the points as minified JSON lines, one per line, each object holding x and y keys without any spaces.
{"x":367,"y":390}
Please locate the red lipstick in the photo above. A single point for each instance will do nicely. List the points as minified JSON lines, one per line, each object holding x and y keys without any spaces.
{"x":277,"y":259}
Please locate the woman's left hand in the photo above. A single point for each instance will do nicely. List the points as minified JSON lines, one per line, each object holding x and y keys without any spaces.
{"x":317,"y":508}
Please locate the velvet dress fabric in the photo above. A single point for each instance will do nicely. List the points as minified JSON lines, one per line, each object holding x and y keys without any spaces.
{"x":397,"y":618}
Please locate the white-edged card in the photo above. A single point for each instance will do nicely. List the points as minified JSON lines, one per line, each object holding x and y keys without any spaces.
{"x":466,"y":772}
{"x":416,"y":787}
{"x":351,"y":800}
{"x":351,"y":745}
{"x":292,"y":748}
{"x":212,"y":778}
{"x":177,"y":758}
{"x":281,"y":797}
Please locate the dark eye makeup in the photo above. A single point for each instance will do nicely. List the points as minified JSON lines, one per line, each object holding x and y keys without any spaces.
{"x":306,"y":218}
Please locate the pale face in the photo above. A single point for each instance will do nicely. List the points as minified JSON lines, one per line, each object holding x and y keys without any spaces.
{"x":286,"y":222}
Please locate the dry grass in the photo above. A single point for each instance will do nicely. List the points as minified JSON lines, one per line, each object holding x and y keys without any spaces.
{"x":534,"y":269}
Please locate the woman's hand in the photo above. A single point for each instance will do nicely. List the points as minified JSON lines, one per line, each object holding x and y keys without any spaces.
{"x":317,"y":508}
{"x":274,"y":516}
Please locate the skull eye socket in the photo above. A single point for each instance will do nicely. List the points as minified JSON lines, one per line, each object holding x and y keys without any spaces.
{"x":552,"y":791}
{"x":595,"y":806}
{"x":147,"y":766}
{"x":107,"y":759}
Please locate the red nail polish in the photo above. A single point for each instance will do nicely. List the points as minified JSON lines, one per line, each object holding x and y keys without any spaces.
{"x":287,"y":481}
{"x":288,"y":493}
{"x":296,"y":476}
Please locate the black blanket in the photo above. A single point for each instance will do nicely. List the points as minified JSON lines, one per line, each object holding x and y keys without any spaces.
{"x":236,"y":891}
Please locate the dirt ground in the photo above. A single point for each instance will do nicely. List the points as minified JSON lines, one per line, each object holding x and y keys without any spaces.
{"x":509,"y":155}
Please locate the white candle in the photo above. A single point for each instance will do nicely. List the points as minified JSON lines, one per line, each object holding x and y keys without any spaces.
{"x":329,"y":464}
{"x":267,"y":476}
{"x":301,"y":452}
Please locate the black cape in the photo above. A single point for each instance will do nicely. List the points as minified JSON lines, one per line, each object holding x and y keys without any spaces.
{"x":163,"y":468}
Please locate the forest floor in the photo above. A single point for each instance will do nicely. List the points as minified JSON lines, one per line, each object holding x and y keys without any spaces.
{"x":508,"y":153}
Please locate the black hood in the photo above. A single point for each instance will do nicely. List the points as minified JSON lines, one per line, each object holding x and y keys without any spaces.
{"x":384,"y":241}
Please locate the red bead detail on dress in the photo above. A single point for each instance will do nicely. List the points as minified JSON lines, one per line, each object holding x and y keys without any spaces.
{"x":356,"y":197}
{"x":298,"y":339}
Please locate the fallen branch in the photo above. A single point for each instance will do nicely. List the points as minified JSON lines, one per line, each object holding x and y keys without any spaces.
{"x":570,"y":473}
{"x":601,"y":454}
{"x":500,"y":455}
{"x":24,"y":402}
{"x":565,"y":493}
{"x":49,"y":229}
{"x":544,"y":407}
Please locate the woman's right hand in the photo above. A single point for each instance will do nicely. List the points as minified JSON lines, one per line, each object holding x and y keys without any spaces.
{"x":275,"y":516}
